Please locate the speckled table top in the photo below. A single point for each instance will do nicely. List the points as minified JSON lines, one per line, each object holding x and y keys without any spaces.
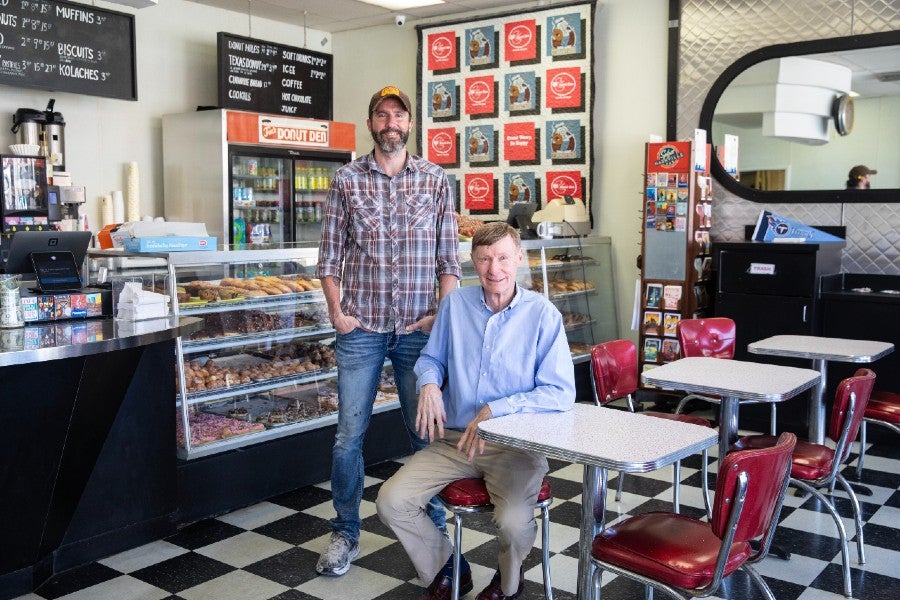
{"x":734,"y":378}
{"x":811,"y":346}
{"x":604,"y":437}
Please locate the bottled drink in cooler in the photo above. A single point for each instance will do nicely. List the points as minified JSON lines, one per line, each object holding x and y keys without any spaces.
{"x":256,"y":233}
{"x":240,"y":230}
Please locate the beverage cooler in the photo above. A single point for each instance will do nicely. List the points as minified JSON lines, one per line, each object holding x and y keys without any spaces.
{"x":24,"y":192}
{"x":260,"y":178}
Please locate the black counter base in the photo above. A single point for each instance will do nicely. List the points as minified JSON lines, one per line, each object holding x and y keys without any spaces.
{"x":220,"y":483}
{"x":87,"y":465}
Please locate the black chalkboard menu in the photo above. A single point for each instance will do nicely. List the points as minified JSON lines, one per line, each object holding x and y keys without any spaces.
{"x":67,"y":47}
{"x":265,"y":77}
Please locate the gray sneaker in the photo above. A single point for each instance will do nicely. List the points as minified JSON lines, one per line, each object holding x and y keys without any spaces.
{"x":337,"y":556}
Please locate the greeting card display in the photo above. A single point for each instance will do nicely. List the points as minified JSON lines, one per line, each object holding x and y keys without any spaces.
{"x":676,"y":244}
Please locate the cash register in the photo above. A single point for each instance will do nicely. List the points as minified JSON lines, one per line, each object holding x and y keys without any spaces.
{"x":50,"y":263}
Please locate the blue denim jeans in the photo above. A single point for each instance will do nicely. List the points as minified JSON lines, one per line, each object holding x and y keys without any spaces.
{"x":360,"y":359}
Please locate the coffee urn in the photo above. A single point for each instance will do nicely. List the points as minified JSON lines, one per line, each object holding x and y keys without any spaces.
{"x":54,"y":137}
{"x":45,"y":129}
{"x":28,"y":125}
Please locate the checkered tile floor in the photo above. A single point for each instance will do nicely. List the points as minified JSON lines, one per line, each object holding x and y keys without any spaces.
{"x":269,"y":550}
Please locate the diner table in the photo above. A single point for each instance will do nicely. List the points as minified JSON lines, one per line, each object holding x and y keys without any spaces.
{"x":821,"y":350}
{"x":599,"y":439}
{"x":733,"y":380}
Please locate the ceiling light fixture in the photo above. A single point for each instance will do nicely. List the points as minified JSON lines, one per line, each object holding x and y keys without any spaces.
{"x":402,"y":4}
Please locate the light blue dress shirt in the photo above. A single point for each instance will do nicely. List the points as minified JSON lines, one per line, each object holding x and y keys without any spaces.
{"x":516,"y":360}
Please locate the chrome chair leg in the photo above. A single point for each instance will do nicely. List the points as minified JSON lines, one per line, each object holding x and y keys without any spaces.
{"x":682,"y":403}
{"x":862,"y":449}
{"x":704,"y":473}
{"x":860,"y":546}
{"x":457,"y":554}
{"x":545,"y":551}
{"x":676,"y":489}
{"x":842,"y":533}
{"x":596,"y":584}
{"x":759,"y":581}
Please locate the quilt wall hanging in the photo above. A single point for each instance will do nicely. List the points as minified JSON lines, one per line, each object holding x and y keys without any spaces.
{"x":505,"y":106}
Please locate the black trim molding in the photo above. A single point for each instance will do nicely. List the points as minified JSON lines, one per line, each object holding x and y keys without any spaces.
{"x":872,"y":40}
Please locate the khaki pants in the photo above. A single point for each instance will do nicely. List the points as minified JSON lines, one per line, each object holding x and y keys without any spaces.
{"x":513,"y":478}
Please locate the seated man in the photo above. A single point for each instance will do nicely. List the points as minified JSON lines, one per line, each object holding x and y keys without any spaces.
{"x":496,"y":349}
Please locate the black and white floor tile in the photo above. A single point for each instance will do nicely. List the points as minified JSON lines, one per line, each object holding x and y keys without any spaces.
{"x":268,"y":551}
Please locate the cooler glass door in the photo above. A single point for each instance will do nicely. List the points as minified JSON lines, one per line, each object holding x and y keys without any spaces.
{"x":24,"y":189}
{"x":260,"y":199}
{"x":312,"y":178}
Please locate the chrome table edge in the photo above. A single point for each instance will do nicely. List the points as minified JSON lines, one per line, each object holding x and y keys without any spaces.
{"x":590,"y":459}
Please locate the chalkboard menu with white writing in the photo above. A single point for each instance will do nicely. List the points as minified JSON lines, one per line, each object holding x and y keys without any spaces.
{"x":67,"y":47}
{"x":271,"y":78}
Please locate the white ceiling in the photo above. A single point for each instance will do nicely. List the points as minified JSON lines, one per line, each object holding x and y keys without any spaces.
{"x":344,"y":15}
{"x":868,"y":67}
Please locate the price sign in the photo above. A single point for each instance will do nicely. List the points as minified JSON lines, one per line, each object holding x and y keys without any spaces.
{"x":265,"y":77}
{"x":62,"y":46}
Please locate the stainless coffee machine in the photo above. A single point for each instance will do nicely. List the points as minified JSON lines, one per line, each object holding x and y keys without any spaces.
{"x":64,"y":203}
{"x":45,"y":129}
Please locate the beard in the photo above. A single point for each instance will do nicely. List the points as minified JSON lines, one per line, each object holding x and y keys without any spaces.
{"x":389,"y":146}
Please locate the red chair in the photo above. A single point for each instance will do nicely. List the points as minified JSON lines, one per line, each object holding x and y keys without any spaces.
{"x":818,"y":466}
{"x":468,"y":496}
{"x":883,"y":409}
{"x":680,"y":555}
{"x":713,"y":336}
{"x":614,"y":374}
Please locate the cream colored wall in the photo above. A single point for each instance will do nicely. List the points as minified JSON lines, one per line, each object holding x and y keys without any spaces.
{"x":630,"y":104}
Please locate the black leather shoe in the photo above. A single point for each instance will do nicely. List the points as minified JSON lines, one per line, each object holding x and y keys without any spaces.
{"x":494,"y":592}
{"x":441,"y":587}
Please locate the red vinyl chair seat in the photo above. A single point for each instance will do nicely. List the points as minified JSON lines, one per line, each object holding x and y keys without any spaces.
{"x":473,"y":492}
{"x":680,"y":418}
{"x":808,"y":461}
{"x":884,"y":406}
{"x":667,"y":547}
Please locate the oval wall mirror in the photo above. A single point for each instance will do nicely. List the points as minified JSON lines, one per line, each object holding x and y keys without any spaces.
{"x":801,"y":149}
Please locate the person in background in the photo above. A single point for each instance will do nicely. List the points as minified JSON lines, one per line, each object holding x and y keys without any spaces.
{"x":495,"y":349}
{"x":860,"y":178}
{"x":389,"y":238}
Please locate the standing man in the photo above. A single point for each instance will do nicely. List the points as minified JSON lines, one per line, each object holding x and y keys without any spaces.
{"x":496,"y":349}
{"x":389,"y":233}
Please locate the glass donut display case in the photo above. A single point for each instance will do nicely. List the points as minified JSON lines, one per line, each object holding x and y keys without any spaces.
{"x":262,"y":366}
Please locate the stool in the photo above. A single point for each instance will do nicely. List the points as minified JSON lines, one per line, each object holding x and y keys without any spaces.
{"x":468,"y":496}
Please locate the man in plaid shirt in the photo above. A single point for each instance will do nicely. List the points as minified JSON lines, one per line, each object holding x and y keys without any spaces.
{"x":389,"y":233}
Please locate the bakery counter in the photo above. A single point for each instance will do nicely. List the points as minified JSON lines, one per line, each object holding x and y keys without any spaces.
{"x":58,"y":340}
{"x":90,"y":403}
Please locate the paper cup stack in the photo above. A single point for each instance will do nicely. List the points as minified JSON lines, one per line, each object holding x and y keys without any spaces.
{"x":106,"y":210}
{"x":118,"y":204}
{"x":133,"y":210}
